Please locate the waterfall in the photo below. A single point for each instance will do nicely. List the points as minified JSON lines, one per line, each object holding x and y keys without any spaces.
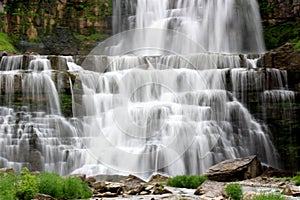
{"x":172,"y":94}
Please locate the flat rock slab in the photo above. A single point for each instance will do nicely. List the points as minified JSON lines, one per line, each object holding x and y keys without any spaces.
{"x":235,"y":169}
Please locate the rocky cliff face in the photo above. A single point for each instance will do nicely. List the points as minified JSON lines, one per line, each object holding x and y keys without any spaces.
{"x":281,"y":21}
{"x":55,"y":26}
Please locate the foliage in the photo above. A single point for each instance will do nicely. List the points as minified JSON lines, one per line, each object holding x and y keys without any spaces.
{"x":187,"y":181}
{"x":51,"y":184}
{"x":297,"y":45}
{"x":276,"y":35}
{"x":75,"y":188}
{"x":5,"y":44}
{"x":297,"y":179}
{"x":69,"y":188}
{"x":268,"y":197}
{"x":27,"y":185}
{"x":234,"y":191}
{"x":7,"y":186}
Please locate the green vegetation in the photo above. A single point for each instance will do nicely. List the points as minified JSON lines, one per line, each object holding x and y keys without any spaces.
{"x":268,"y":197}
{"x":5,"y":44}
{"x":297,"y":179}
{"x":25,"y":186}
{"x":92,"y":38}
{"x":7,"y":186}
{"x":188,"y":181}
{"x":276,"y":35}
{"x":297,"y":45}
{"x":234,"y":191}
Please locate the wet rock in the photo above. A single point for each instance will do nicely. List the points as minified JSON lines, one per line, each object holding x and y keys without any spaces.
{"x":104,"y":187}
{"x":90,"y":180}
{"x":133,"y":185}
{"x":159,"y":189}
{"x":284,"y":57}
{"x":211,"y":189}
{"x":106,"y":194}
{"x":158,"y":178}
{"x":58,"y":63}
{"x":7,"y":170}
{"x":235,"y":169}
{"x":273,"y":172}
{"x":291,"y":190}
{"x":39,"y":196}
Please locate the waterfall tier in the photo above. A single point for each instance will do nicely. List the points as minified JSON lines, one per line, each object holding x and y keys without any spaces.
{"x":142,"y":115}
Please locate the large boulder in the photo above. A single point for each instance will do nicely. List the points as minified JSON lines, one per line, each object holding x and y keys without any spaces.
{"x":211,"y":190}
{"x":235,"y":169}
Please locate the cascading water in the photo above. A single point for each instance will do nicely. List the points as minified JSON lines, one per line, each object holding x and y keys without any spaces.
{"x":169,"y":96}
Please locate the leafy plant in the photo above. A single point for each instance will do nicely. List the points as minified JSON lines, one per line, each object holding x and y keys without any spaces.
{"x":7,"y":186}
{"x":76,"y":188}
{"x":234,"y":191}
{"x":297,"y":45}
{"x":187,"y":181}
{"x":297,"y":179}
{"x":27,"y":185}
{"x":268,"y":197}
{"x":51,"y":184}
{"x":5,"y":44}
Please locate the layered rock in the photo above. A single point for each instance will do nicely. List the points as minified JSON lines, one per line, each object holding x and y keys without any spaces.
{"x":235,"y":169}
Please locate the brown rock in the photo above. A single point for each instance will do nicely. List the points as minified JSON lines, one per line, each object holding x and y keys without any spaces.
{"x":158,"y":178}
{"x":159,"y":189}
{"x":235,"y":169}
{"x":210,"y":189}
{"x":39,"y":196}
{"x":273,"y":172}
{"x":106,"y":194}
{"x":133,"y":185}
{"x":90,"y":179}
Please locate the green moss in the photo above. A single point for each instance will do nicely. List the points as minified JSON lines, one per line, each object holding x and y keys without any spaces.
{"x":297,"y":45}
{"x":187,"y":181}
{"x":5,"y":44}
{"x":279,"y":34}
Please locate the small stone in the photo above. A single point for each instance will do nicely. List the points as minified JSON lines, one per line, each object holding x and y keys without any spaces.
{"x":39,"y":196}
{"x":287,"y":191}
{"x":106,"y":194}
{"x":144,"y":192}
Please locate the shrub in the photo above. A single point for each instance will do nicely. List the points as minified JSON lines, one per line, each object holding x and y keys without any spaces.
{"x":7,"y":186}
{"x":188,"y":181}
{"x":234,"y":191}
{"x":268,"y":197}
{"x":297,"y":179}
{"x":297,"y":45}
{"x":5,"y":43}
{"x":27,"y":185}
{"x":76,"y":188}
{"x":51,"y":184}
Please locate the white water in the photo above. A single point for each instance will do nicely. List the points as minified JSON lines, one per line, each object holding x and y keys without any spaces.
{"x":175,"y":103}
{"x":228,"y":26}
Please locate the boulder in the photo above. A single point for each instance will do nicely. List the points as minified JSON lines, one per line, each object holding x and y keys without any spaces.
{"x":211,"y":189}
{"x":7,"y":171}
{"x":291,"y":190}
{"x":235,"y":169}
{"x":133,"y":185}
{"x":104,"y":187}
{"x":273,"y":172}
{"x":158,"y":178}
